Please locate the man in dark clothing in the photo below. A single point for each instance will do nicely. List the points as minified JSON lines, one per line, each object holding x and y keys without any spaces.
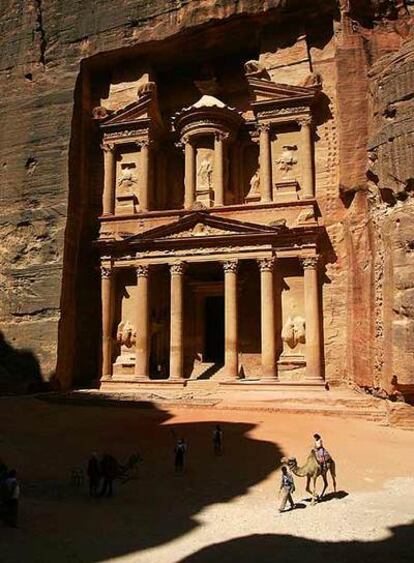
{"x":94,"y":474}
{"x":218,"y":440}
{"x":180,"y":451}
{"x":109,"y":470}
{"x":11,"y":499}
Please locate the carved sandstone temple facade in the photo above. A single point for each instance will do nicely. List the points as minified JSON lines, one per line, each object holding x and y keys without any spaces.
{"x":211,"y":243}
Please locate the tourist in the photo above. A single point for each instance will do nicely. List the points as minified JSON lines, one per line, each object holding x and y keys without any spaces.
{"x":322,"y":455}
{"x":287,"y":487}
{"x":180,"y":452}
{"x":11,"y":494}
{"x":94,"y":474}
{"x":218,"y":440}
{"x":109,"y":471}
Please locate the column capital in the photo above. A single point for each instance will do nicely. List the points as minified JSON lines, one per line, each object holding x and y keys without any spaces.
{"x":264,"y":127}
{"x":230,"y":266}
{"x":178,"y":269}
{"x":310,"y":262}
{"x":305,"y":121}
{"x":267,"y":264}
{"x":108,"y":147}
{"x":107,"y":272}
{"x":142,"y":270}
{"x":144,"y":143}
{"x":221,"y":136}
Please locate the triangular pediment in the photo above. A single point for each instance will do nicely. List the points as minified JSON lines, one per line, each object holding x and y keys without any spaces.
{"x":265,"y":91}
{"x":201,"y":225}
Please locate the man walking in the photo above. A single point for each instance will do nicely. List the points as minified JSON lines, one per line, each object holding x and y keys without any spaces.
{"x":109,"y":471}
{"x":180,"y":451}
{"x":218,"y":440}
{"x":94,"y":474}
{"x":287,"y":487}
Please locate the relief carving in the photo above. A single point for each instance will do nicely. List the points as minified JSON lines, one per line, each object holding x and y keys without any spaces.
{"x":254,"y":185}
{"x":205,"y":174}
{"x":126,"y":335}
{"x":294,"y":331}
{"x":287,"y":160}
{"x":127,"y":179}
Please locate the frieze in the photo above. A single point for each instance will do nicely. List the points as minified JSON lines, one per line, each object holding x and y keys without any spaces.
{"x":283,"y":111}
{"x":125,"y":133}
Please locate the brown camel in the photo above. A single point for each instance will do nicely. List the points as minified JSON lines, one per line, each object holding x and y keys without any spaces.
{"x":312,"y":470}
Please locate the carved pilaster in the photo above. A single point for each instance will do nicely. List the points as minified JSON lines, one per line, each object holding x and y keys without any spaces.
{"x":107,"y":272}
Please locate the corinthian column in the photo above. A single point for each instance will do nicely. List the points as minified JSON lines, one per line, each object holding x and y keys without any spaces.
{"x":177,"y":322}
{"x":231,"y":361}
{"x":108,"y":196}
{"x":312,"y":315}
{"x":189,"y":174}
{"x":306,"y":157}
{"x":269,"y":366}
{"x":142,"y":324}
{"x":219,"y":165}
{"x":107,"y":290}
{"x":265,"y":162}
{"x":145,"y":194}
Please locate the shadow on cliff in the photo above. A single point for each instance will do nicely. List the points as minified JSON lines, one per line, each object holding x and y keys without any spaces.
{"x":268,"y":548}
{"x":19,"y":370}
{"x":156,"y":508}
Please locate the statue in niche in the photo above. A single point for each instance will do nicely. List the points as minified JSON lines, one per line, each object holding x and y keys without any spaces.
{"x":254,"y":184}
{"x":127,"y":178}
{"x":205,"y":173}
{"x":287,"y":159}
{"x":126,"y":336}
{"x":294,"y":331}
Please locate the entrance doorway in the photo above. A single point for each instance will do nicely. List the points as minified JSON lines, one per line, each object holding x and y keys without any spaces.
{"x":214,"y":329}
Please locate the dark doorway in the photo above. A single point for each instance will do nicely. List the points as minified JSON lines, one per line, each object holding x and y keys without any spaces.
{"x":214,"y":329}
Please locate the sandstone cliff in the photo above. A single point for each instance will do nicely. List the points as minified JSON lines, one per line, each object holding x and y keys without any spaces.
{"x":54,"y":57}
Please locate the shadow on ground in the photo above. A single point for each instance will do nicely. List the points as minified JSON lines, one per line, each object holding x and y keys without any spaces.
{"x":60,"y":522}
{"x":271,"y":548}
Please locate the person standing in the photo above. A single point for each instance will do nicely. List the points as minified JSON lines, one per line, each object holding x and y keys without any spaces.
{"x":94,"y":474}
{"x":11,"y":500}
{"x":218,"y":440}
{"x":109,"y":471}
{"x":180,"y":452}
{"x":287,"y":487}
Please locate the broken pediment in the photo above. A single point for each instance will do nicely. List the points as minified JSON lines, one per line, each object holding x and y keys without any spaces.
{"x":264,"y":92}
{"x":142,"y":113}
{"x":202,"y":225}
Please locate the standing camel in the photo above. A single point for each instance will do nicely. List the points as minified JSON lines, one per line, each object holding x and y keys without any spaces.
{"x":312,"y":470}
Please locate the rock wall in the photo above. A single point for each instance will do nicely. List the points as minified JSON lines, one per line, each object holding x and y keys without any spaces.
{"x":52,"y":55}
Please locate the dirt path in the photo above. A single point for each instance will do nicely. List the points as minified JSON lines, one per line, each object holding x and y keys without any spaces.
{"x":221,"y":509}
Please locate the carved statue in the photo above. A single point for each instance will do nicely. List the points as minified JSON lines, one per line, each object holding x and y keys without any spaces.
{"x":287,"y":159}
{"x":146,"y":88}
{"x":126,"y":335}
{"x":294,"y":332}
{"x":313,"y":80}
{"x":254,"y":184}
{"x":255,"y":68}
{"x":205,"y":173}
{"x":127,"y":178}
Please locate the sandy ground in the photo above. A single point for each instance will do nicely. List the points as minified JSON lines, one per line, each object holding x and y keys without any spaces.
{"x":222,"y":509}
